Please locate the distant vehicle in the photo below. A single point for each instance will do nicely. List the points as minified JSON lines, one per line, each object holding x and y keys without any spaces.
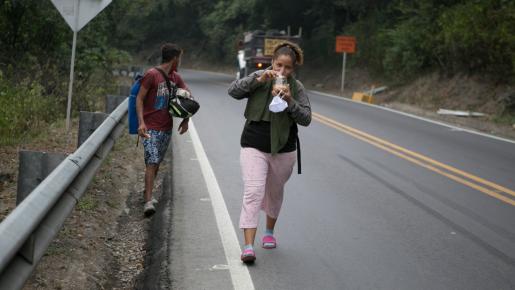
{"x":256,"y":49}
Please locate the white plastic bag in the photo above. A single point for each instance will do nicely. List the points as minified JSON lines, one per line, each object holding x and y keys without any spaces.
{"x":278,"y":104}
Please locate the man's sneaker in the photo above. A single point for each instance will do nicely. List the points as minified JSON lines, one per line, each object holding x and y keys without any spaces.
{"x":269,"y":242}
{"x":248,"y":256}
{"x":149,"y":208}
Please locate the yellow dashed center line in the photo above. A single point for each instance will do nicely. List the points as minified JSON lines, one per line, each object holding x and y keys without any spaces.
{"x":448,"y":171}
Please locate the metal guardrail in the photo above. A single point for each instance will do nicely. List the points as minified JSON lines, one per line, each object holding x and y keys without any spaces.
{"x":43,"y":212}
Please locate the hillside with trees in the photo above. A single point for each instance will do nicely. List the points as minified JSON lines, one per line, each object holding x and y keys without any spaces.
{"x":398,"y":38}
{"x":398,"y":42}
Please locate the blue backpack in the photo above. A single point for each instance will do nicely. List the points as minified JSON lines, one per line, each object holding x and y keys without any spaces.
{"x":133,"y":116}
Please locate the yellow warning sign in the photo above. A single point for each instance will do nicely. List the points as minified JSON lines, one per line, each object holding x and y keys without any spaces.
{"x":270,"y":43}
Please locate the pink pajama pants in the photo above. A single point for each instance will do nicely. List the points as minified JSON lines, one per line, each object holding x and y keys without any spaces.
{"x":264,"y":176}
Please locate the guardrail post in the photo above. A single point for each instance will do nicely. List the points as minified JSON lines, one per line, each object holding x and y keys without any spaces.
{"x":44,"y":210}
{"x":88,"y":123}
{"x":34,"y":166}
{"x":112,"y":102}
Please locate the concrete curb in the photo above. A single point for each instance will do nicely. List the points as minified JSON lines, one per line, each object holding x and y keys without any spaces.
{"x":156,"y":274}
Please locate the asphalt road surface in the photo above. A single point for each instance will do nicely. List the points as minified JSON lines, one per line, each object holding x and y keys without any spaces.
{"x":385,"y":201}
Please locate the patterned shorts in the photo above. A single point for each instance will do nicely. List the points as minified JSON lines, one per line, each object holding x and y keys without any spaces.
{"x":155,"y":146}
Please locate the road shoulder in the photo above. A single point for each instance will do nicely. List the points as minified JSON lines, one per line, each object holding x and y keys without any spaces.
{"x":197,"y":259}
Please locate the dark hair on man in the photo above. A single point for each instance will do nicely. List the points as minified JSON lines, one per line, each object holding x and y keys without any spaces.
{"x":169,"y":51}
{"x":292,"y":50}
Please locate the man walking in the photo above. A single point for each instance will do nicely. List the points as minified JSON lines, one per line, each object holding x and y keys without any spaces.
{"x":155,"y":122}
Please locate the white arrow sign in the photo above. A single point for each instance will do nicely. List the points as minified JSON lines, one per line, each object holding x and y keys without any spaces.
{"x":77,"y":15}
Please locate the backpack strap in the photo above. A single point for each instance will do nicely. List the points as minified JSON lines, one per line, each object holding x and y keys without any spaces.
{"x":299,"y":165}
{"x":172,"y":90}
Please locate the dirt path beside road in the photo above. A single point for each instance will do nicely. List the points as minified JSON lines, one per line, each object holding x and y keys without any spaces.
{"x":102,"y":243}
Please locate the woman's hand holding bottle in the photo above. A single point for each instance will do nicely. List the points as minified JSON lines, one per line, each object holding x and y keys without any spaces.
{"x":266,"y":76}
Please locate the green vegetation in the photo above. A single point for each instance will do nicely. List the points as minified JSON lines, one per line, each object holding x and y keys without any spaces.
{"x":505,"y":118}
{"x":34,"y":67}
{"x":397,"y":40}
{"x":87,"y":203}
{"x":22,"y":108}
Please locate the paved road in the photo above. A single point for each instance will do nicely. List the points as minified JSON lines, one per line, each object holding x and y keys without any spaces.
{"x":385,"y":201}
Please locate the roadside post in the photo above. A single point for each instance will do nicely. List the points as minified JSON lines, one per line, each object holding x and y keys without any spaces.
{"x":77,"y":13}
{"x":88,"y":123}
{"x":113,"y":101}
{"x":345,"y":44}
{"x":33,"y":168}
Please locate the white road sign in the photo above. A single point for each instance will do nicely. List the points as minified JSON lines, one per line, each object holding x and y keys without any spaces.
{"x":77,"y":16}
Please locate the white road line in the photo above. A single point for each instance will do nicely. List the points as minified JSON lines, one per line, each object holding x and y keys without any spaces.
{"x":398,"y":112}
{"x":239,"y":273}
{"x":416,"y":117}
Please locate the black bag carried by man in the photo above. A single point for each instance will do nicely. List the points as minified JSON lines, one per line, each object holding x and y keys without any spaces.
{"x":180,"y":102}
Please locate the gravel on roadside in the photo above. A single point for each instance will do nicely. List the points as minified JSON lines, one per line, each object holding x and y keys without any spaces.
{"x":102,"y":244}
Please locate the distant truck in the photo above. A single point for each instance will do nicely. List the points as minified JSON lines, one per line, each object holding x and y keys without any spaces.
{"x":256,"y":50}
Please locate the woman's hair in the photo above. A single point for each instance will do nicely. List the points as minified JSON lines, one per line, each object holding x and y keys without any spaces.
{"x":169,"y":51}
{"x":290,"y":49}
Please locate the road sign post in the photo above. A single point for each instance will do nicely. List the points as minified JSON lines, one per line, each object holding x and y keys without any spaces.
{"x":72,"y":65}
{"x":345,"y":44}
{"x":344,"y":62}
{"x":77,"y":14}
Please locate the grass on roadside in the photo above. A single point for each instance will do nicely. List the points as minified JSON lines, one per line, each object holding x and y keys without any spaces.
{"x":87,"y":203}
{"x":506,"y":118}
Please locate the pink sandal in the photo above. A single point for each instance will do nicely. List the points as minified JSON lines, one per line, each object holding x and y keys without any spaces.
{"x":269,"y":242}
{"x":248,"y":256}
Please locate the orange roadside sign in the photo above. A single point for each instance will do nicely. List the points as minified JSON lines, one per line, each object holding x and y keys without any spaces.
{"x":345,"y":44}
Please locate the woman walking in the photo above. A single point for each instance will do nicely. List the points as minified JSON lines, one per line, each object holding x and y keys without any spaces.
{"x":276,"y":103}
